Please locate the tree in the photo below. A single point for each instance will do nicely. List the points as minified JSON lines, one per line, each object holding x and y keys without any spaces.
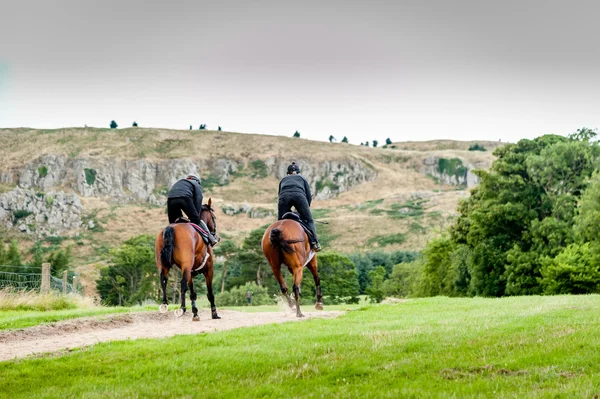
{"x":60,"y":260}
{"x":375,"y":290}
{"x":13,"y":256}
{"x":296,"y":134}
{"x":338,"y":278}
{"x":202,"y":127}
{"x":219,"y":128}
{"x":375,"y":142}
{"x":331,"y":139}
{"x":345,"y":140}
{"x":388,"y":141}
{"x":190,"y":127}
{"x":131,"y":276}
{"x":134,"y":124}
{"x":367,"y":143}
{"x":226,"y":249}
{"x":113,"y":125}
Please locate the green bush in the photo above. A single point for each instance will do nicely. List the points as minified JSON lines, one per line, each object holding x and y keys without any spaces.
{"x":259,"y":169}
{"x":375,"y":290}
{"x":42,"y":171}
{"x":576,"y":270}
{"x":237,"y":296}
{"x":21,"y":214}
{"x":386,"y":240}
{"x":90,"y":176}
{"x":476,"y":147}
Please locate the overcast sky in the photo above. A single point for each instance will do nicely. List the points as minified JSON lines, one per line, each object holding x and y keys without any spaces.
{"x":408,"y":70}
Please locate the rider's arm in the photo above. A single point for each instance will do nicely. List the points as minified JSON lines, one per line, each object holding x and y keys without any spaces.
{"x":198,"y":196}
{"x":308,"y":193}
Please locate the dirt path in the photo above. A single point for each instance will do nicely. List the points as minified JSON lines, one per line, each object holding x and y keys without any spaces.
{"x":89,"y":331}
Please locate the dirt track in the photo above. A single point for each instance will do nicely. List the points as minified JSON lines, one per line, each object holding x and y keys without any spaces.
{"x":89,"y":331}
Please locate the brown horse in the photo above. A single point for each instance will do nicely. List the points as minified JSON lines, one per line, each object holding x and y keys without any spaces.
{"x":285,"y":242}
{"x":180,"y":244}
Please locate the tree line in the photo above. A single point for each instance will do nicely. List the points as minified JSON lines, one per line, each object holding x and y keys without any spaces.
{"x":531,"y":226}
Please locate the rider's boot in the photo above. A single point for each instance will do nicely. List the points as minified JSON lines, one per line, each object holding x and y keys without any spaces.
{"x":316,"y":246}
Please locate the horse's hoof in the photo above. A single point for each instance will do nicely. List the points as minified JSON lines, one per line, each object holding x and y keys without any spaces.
{"x":196,"y":318}
{"x":299,"y":315}
{"x":179,"y":312}
{"x":319,"y":306}
{"x":215,"y":316}
{"x":164,"y":308}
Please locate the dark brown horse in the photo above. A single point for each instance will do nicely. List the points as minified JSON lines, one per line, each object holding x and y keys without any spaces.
{"x":179,"y":244}
{"x":285,"y":242}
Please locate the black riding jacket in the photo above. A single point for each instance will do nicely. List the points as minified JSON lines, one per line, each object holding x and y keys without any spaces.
{"x":185,"y":188}
{"x":295,"y":184}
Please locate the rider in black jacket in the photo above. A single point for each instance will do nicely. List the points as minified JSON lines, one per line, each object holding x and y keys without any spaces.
{"x":294,"y":190}
{"x":186,"y":195}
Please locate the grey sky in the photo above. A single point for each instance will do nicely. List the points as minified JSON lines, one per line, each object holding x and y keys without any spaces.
{"x":411,"y":70}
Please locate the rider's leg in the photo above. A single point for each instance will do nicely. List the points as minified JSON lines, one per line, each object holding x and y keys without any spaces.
{"x":301,"y":204}
{"x":174,"y":209}
{"x":284,"y":205}
{"x":190,"y":210}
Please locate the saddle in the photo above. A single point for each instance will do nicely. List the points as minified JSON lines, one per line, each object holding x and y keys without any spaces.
{"x":295,"y":217}
{"x":203,"y":233}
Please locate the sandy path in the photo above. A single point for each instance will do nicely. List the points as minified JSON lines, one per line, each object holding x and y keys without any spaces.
{"x":89,"y":331}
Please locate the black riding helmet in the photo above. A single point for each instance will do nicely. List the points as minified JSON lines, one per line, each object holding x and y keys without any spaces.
{"x":193,"y":176}
{"x":293,"y":168}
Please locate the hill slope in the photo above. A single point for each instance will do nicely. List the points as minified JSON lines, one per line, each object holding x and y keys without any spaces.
{"x":110,"y":184}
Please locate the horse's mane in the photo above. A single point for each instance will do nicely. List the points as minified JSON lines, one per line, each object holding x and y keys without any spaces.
{"x":205,"y":207}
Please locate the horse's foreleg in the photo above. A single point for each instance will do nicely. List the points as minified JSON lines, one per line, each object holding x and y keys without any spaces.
{"x":312,"y":266}
{"x":164,"y":273}
{"x":296,"y":288}
{"x":208,"y":275}
{"x":193,"y":297}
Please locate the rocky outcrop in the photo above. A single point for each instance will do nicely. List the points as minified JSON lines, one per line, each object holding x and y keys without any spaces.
{"x":245,"y":208}
{"x":52,"y":213}
{"x":147,"y":181}
{"x":452,"y":171}
{"x":328,"y":178}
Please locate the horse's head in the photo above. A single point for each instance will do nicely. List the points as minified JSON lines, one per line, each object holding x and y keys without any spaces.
{"x":207,"y":214}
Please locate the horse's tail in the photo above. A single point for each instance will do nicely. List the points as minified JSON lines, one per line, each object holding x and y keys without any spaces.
{"x":166,"y":253}
{"x":277,"y":240}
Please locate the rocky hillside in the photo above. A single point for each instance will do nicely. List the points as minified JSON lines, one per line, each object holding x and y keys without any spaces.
{"x":100,"y":186}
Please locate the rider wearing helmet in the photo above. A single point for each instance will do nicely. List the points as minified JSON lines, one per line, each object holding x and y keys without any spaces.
{"x":294,"y":190}
{"x":186,"y":196}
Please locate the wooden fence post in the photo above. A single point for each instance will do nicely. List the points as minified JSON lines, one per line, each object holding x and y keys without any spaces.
{"x":75,"y":284}
{"x":45,"y":287}
{"x":65,"y":282}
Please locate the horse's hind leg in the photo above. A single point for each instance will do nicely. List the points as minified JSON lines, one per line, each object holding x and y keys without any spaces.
{"x":276,"y":267}
{"x":296,"y":288}
{"x":312,"y":266}
{"x":193,"y":297}
{"x":186,"y":278}
{"x":164,"y":274}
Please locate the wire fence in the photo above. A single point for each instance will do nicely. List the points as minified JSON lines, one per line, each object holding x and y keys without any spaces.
{"x":28,"y":278}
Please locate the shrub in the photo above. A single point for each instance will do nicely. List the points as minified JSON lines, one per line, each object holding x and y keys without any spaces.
{"x":113,"y":125}
{"x":237,"y":296}
{"x":296,"y":134}
{"x":43,"y":171}
{"x":476,"y":147}
{"x":90,"y":176}
{"x":375,"y":290}
{"x":575,"y":270}
{"x":21,"y":214}
{"x":259,"y":169}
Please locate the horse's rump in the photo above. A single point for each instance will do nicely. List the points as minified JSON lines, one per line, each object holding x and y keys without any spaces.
{"x":166,"y":253}
{"x":277,"y":239}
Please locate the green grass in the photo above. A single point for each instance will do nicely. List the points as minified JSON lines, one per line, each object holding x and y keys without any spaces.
{"x":520,"y":347}
{"x":12,"y":319}
{"x":386,"y":240}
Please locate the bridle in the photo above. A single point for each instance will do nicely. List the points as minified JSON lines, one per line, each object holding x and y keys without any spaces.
{"x":213,"y":218}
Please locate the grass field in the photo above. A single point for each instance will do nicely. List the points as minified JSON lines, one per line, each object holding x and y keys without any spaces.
{"x":521,"y":347}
